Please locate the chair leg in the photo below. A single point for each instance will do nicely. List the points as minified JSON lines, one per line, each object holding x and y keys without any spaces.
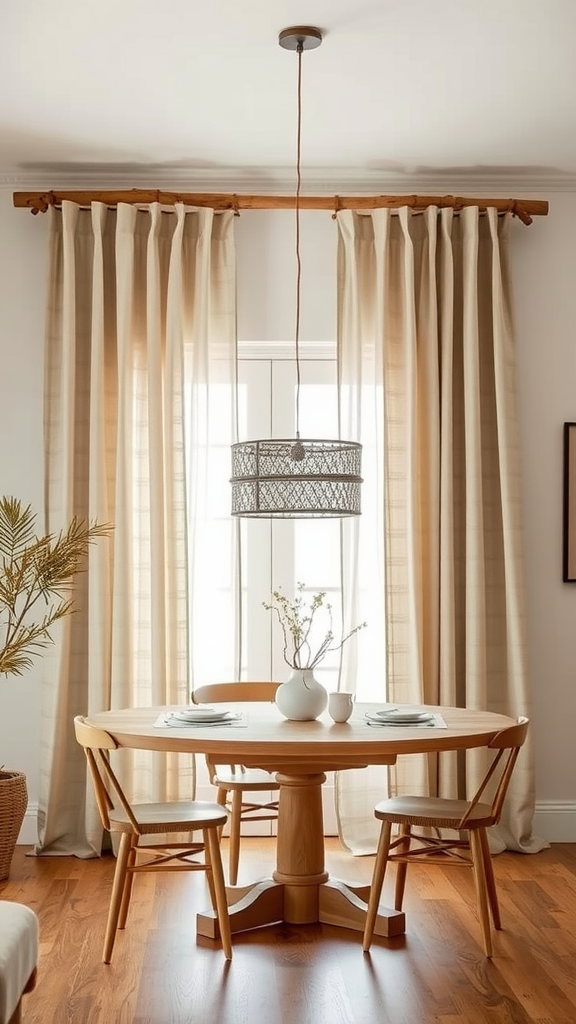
{"x":116,"y":896}
{"x":212,"y":849}
{"x":128,"y":882}
{"x":235,"y":823}
{"x":481,"y":889}
{"x":210,"y":874}
{"x":222,"y":801}
{"x":490,"y":880}
{"x":377,"y":883}
{"x":401,"y":868}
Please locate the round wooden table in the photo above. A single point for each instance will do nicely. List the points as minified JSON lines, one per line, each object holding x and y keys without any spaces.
{"x":300,"y":890}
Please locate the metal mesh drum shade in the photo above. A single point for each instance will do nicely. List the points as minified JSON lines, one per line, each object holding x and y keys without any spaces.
{"x":293,"y":478}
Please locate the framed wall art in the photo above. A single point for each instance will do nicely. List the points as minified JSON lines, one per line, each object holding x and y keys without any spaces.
{"x":569,"y":525}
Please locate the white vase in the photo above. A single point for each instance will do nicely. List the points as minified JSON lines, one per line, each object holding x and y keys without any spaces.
{"x":301,"y":698}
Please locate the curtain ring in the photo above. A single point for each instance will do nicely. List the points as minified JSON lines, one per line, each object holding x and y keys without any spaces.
{"x":456,"y":203}
{"x":337,"y":207}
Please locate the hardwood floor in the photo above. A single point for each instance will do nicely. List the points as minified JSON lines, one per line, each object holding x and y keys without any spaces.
{"x":315,"y":974}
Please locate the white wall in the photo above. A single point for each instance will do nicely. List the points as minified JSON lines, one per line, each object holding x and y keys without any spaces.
{"x":266,"y":263}
{"x":22,"y":300}
{"x":545,"y":287}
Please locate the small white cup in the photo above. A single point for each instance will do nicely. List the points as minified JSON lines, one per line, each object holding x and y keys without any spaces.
{"x":340,"y":705}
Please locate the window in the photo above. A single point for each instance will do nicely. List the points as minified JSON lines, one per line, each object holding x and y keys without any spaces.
{"x":252,"y":557}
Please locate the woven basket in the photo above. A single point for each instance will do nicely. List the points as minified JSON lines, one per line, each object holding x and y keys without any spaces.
{"x":13,"y":804}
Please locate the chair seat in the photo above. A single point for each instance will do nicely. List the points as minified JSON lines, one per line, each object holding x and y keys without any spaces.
{"x":180,"y":816}
{"x":244,"y":778}
{"x":426,"y":811}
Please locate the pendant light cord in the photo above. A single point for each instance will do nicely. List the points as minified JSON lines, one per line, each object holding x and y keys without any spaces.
{"x":299,"y":50}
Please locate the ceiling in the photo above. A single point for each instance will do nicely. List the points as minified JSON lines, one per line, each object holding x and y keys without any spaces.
{"x":199,"y":93}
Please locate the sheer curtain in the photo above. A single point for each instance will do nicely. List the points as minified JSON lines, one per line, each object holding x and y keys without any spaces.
{"x":141,"y":316}
{"x":425,"y":315}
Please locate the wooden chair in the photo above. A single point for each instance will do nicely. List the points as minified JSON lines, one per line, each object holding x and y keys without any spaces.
{"x":132,"y":822}
{"x":435,"y":813}
{"x":234,"y":781}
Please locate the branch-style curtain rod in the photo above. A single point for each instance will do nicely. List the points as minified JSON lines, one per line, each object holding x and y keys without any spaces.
{"x":38,"y":202}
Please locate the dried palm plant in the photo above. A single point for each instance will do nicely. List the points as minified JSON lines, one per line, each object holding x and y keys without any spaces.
{"x":36,"y":575}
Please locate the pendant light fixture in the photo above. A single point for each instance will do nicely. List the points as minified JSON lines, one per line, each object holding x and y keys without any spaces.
{"x":296,"y":478}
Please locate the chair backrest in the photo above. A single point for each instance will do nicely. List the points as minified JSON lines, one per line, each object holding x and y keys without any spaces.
{"x":219,"y":693}
{"x":97,"y":744}
{"x":507,"y":744}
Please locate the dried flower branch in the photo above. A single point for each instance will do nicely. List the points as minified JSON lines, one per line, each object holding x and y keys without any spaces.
{"x":35,"y":569}
{"x":296,"y":619}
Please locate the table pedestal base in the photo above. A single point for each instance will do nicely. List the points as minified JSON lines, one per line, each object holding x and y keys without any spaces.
{"x":332,"y":902}
{"x":300,"y":891}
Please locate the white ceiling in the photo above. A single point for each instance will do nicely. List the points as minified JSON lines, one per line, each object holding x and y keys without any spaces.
{"x":199,"y":92}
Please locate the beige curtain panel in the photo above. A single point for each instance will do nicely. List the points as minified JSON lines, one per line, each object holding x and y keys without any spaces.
{"x":141,"y":306}
{"x":425,"y":319}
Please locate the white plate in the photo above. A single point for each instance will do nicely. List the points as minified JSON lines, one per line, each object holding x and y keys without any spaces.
{"x":383,"y":724}
{"x":400,"y":717}
{"x":201,"y":723}
{"x":200,"y":715}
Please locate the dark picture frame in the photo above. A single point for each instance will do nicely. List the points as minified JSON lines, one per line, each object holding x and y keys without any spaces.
{"x":569,"y":525}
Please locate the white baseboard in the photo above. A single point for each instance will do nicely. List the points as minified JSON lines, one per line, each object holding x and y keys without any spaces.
{"x":554,"y":820}
{"x":28,"y":835}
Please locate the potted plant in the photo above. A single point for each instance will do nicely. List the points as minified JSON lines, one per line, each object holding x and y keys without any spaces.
{"x":36,"y":573}
{"x":302,"y":698}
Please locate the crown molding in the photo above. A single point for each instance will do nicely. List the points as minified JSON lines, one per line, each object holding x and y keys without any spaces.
{"x":281,"y":180}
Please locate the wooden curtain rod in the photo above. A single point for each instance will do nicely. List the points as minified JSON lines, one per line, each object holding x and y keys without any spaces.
{"x":38,"y":202}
